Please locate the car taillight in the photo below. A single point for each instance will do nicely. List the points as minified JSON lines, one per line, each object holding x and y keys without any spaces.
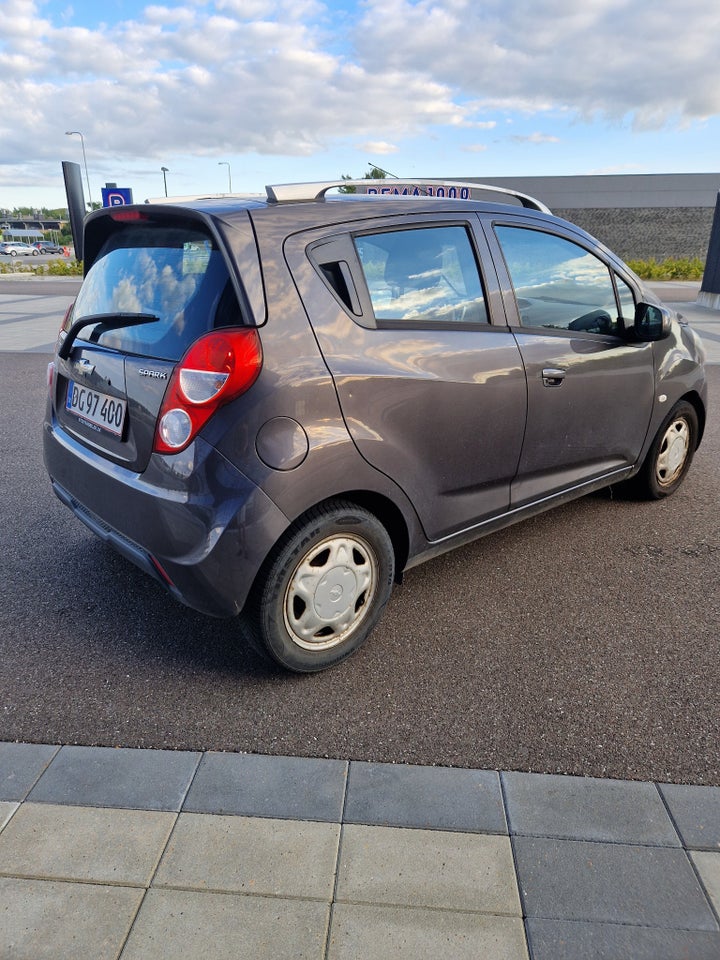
{"x":125,"y":216}
{"x":50,"y":376}
{"x":64,"y":327}
{"x":215,"y":370}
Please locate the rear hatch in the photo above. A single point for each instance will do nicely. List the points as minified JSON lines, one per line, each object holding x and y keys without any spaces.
{"x":157,"y":282}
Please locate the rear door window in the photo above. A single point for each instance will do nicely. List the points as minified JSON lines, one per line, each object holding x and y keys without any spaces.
{"x":422,"y":275}
{"x":174,"y":274}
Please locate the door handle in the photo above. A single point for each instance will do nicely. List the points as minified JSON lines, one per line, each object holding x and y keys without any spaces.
{"x":553,"y":376}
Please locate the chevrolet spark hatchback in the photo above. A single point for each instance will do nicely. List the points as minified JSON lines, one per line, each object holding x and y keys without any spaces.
{"x":275,"y":406}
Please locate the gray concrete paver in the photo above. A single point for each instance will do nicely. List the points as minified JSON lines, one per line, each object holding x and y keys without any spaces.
{"x":50,"y":920}
{"x":106,"y":777}
{"x":6,"y":811}
{"x":284,"y":858}
{"x":587,"y":808}
{"x":437,"y":798}
{"x":221,"y":926}
{"x":430,"y":868}
{"x":696,"y":812}
{"x":253,"y":785}
{"x":380,"y":932}
{"x":707,"y":865}
{"x":20,"y":766}
{"x":572,"y":940}
{"x":91,"y":844}
{"x":610,"y":883}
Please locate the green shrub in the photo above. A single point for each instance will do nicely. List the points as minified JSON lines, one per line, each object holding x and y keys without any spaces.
{"x":682,"y":268}
{"x":54,"y":268}
{"x":65,"y":268}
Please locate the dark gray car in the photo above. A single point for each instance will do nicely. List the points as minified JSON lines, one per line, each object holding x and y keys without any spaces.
{"x":276,"y":405}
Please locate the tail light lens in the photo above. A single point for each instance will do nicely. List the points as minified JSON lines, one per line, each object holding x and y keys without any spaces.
{"x":216,"y":369}
{"x":64,"y":326}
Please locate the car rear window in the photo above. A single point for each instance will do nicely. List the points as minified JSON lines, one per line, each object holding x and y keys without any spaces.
{"x":173,"y":273}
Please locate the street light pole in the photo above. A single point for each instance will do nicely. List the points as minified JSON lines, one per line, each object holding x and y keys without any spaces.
{"x":76,"y":133}
{"x":164,"y":172}
{"x":224,"y":163}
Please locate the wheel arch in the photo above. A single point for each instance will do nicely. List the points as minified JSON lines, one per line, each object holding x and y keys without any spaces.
{"x":391,"y":517}
{"x":386,"y":512}
{"x":694,"y":398}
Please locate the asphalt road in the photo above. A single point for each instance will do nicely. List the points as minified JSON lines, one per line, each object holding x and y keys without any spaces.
{"x":584,"y":641}
{"x":42,"y":286}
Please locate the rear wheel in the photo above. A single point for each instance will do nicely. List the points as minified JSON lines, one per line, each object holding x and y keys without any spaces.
{"x":671,"y":453}
{"x":323,"y":589}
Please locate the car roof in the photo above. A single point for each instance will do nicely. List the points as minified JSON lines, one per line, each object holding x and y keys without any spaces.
{"x":318,"y":190}
{"x":309,"y":204}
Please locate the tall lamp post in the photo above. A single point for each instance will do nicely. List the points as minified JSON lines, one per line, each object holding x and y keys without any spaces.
{"x":164,"y":172}
{"x":224,"y":163}
{"x":76,"y":133}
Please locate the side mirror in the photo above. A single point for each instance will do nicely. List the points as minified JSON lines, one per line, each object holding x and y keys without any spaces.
{"x":651,"y":322}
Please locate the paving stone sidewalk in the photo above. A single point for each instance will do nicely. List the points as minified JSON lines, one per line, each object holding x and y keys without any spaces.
{"x":150,"y":855}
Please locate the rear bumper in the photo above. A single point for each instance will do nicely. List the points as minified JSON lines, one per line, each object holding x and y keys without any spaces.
{"x":192,"y":521}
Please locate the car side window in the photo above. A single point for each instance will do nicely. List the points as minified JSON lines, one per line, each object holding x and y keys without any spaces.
{"x":558,"y":284}
{"x":426,"y":274}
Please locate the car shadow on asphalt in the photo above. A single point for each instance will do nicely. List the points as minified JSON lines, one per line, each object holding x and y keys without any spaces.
{"x":129,"y":608}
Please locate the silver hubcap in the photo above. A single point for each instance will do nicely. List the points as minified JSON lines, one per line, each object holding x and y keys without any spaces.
{"x":330,"y":592}
{"x":673,"y":452}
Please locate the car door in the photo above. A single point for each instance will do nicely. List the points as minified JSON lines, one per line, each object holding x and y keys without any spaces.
{"x":432,"y":391}
{"x":590,"y":389}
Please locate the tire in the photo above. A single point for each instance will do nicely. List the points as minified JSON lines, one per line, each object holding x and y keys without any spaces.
{"x":670,"y":455}
{"x":323,"y":589}
{"x":13,"y":253}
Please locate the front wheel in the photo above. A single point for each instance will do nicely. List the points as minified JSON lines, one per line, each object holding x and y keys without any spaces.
{"x":323,"y":589}
{"x":671,"y":453}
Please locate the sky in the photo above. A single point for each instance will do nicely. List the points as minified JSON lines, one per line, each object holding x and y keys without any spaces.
{"x":255,"y":92}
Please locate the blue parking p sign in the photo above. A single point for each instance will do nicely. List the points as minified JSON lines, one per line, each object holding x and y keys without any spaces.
{"x":116,"y":196}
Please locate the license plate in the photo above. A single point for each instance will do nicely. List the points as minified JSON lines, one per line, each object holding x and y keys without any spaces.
{"x":96,"y":410}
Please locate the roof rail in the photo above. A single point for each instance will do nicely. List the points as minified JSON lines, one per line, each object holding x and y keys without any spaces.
{"x":299,"y":192}
{"x":194,"y":197}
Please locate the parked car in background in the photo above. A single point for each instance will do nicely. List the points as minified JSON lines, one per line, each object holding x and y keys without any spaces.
{"x":47,"y":246}
{"x":274,"y":406}
{"x":15,"y":248}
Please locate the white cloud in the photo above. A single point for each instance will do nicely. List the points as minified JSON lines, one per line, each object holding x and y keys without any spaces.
{"x":655,"y":61}
{"x":295,"y":77}
{"x":203,"y":76}
{"x":536,"y":137}
{"x":378,"y":147}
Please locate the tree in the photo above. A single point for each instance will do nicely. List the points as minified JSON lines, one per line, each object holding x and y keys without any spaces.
{"x":375,"y":174}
